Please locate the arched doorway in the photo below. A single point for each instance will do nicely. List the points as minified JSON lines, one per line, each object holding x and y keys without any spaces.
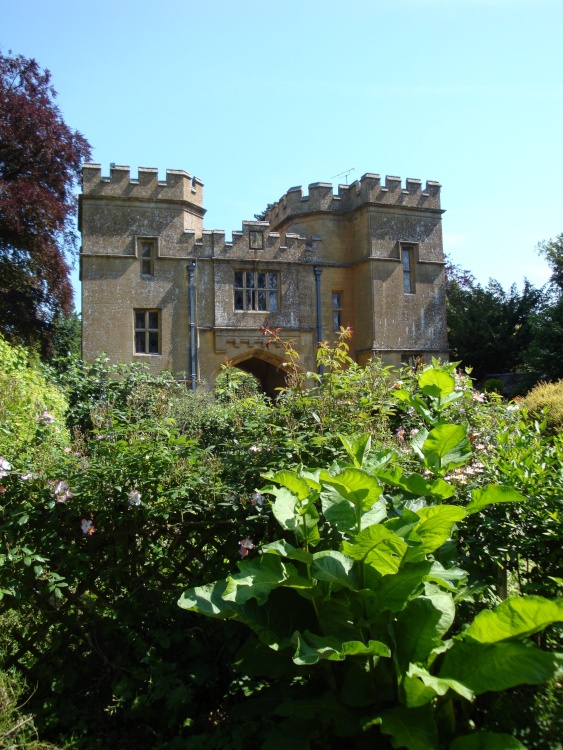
{"x":266,"y":367}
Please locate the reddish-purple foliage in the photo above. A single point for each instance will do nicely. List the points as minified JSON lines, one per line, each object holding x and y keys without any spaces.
{"x":40,"y":159}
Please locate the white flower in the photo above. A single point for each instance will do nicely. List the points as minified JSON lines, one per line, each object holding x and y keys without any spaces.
{"x":87,"y":527}
{"x":5,"y":467}
{"x":257,"y":498}
{"x":62,"y":492}
{"x":46,"y":418}
{"x":134,"y":497}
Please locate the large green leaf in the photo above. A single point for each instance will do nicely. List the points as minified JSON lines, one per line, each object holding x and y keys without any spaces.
{"x":421,"y":687}
{"x":283,"y":507}
{"x":208,"y":600}
{"x":493,"y":493}
{"x":378,"y":547}
{"x":411,"y":728}
{"x":335,"y":567}
{"x":448,"y":577}
{"x":416,"y":403}
{"x":419,"y":628}
{"x":357,"y":447}
{"x":354,"y":485}
{"x":416,"y":484}
{"x":312,"y":648}
{"x":445,"y":447}
{"x":515,"y":618}
{"x":285,"y":549}
{"x":499,"y":666}
{"x":294,"y":483}
{"x":487,"y":741}
{"x":394,"y":591}
{"x":433,"y":529}
{"x":257,"y":577}
{"x":294,"y":515}
{"x":344,"y":515}
{"x":436,"y":383}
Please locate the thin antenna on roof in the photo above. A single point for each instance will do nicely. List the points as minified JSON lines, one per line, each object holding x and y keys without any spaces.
{"x":344,"y":174}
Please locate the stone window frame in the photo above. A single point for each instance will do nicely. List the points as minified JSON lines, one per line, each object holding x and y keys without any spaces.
{"x":144,"y":330}
{"x":147,"y":261}
{"x":246,"y":298}
{"x":336,"y":310}
{"x":409,"y":252}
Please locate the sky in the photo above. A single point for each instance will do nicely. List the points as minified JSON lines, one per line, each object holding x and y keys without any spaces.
{"x":255,"y":96}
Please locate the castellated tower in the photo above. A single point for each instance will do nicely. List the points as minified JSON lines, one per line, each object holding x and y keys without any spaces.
{"x":159,"y":288}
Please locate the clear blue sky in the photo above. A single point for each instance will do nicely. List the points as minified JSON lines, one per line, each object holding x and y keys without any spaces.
{"x":255,"y":96}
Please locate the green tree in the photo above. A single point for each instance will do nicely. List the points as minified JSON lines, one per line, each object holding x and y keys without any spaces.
{"x":545,"y":354}
{"x":489,"y":329}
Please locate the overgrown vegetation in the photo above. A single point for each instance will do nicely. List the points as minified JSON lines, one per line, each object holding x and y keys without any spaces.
{"x":121,"y":491}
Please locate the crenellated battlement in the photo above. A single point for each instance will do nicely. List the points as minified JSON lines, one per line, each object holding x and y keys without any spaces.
{"x":178,"y":186}
{"x":255,"y":241}
{"x":367,"y":190}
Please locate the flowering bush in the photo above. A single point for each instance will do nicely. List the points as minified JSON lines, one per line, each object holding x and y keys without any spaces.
{"x":156,"y":490}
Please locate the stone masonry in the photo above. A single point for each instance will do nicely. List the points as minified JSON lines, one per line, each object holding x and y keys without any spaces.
{"x":159,"y":288}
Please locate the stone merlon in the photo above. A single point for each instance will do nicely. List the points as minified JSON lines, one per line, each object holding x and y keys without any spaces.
{"x":367,"y":190}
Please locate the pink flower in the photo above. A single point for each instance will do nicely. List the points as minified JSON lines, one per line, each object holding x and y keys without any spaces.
{"x":2,"y":489}
{"x":401,"y":433}
{"x":46,"y":418}
{"x":245,"y":546}
{"x":87,"y":527}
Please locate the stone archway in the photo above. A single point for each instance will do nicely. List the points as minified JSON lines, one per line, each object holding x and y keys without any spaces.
{"x":266,"y":367}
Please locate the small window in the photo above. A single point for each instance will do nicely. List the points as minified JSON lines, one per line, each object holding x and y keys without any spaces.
{"x":336,"y":311}
{"x":147,"y":331}
{"x":257,"y":290}
{"x":147,"y":253}
{"x":256,"y":240}
{"x":407,"y":258}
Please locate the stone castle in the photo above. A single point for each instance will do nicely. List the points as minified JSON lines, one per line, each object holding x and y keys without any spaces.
{"x":159,"y":288}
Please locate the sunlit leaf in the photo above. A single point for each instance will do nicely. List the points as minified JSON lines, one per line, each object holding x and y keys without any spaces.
{"x":499,"y":666}
{"x":493,"y":493}
{"x":378,"y":547}
{"x":515,"y":618}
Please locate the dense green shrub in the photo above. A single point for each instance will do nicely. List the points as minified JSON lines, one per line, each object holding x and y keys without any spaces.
{"x":156,"y":491}
{"x":233,"y":384}
{"x":547,"y":399}
{"x":351,"y":642}
{"x":493,"y":385}
{"x":32,"y":407}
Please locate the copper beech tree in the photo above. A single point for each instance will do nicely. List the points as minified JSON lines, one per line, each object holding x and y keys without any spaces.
{"x":40,"y":159}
